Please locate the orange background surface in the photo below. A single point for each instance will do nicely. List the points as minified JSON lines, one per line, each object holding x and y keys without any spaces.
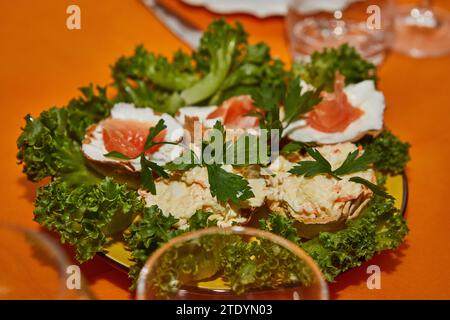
{"x":42,"y":64}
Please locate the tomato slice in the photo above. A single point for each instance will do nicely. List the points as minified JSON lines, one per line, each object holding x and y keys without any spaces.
{"x":334,"y":113}
{"x":128,"y":136}
{"x":234,"y":112}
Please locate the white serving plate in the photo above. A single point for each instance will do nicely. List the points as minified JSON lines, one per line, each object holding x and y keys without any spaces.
{"x":258,"y":8}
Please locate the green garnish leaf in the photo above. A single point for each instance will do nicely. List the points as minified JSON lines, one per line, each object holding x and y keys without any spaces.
{"x":49,"y":145}
{"x":283,"y":226}
{"x":159,"y":170}
{"x":156,"y":228}
{"x":153,"y":132}
{"x":219,"y":48}
{"x":323,"y":66}
{"x":391,"y":154}
{"x":380,"y":226}
{"x":379,"y":191}
{"x":294,"y":147}
{"x":227,"y":186}
{"x":116,"y":154}
{"x":172,"y":166}
{"x":87,"y":215}
{"x":147,"y":169}
{"x":200,"y":220}
{"x":296,"y":103}
{"x":310,"y":168}
{"x":147,"y":180}
{"x":269,"y":99}
{"x":353,"y":163}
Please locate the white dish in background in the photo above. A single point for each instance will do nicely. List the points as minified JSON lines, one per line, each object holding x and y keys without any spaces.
{"x":258,"y":8}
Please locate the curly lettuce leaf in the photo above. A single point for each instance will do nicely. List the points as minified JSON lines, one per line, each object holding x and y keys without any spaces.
{"x":143,"y":65}
{"x":90,"y":108}
{"x":224,"y":65}
{"x":283,"y":226}
{"x":257,"y":68}
{"x":86,"y":216}
{"x":260,"y":264}
{"x":49,"y":145}
{"x":153,"y":230}
{"x":220,"y":46}
{"x":379,"y":227}
{"x":390,"y":153}
{"x":321,"y":70}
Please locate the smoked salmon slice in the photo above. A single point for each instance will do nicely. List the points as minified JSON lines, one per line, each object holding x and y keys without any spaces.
{"x":334,"y":113}
{"x":234,"y":113}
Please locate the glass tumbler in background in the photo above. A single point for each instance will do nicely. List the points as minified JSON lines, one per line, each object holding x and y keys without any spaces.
{"x":422,"y":30}
{"x":236,"y":263}
{"x":34,"y":267}
{"x":316,"y":24}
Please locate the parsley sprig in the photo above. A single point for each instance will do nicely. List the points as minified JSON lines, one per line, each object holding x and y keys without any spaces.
{"x":311,"y":168}
{"x":375,"y":189}
{"x":148,"y":167}
{"x":296,"y":103}
{"x":225,"y":186}
{"x":352,"y":163}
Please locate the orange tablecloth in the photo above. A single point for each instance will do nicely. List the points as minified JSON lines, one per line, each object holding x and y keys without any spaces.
{"x":42,"y":64}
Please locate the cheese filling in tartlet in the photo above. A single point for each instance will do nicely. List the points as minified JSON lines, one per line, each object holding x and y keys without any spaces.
{"x":320,"y":199}
{"x":182,"y":196}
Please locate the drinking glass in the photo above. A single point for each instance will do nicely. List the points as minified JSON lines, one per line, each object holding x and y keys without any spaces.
{"x":34,"y":267}
{"x":421,"y":30}
{"x":316,"y":24}
{"x":237,"y":263}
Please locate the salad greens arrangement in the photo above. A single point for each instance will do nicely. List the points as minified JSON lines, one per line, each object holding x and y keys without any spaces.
{"x":224,"y":65}
{"x":86,"y":215}
{"x":379,"y":227}
{"x":321,"y":70}
{"x":155,"y":229}
{"x":391,"y":154}
{"x":87,"y":208}
{"x":49,"y":145}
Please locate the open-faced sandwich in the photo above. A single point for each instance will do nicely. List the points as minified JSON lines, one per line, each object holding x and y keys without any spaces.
{"x":130,"y":167}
